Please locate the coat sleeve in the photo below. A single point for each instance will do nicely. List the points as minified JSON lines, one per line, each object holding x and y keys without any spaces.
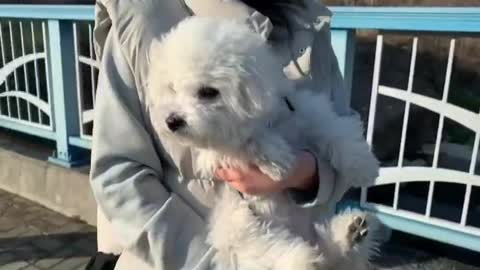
{"x":126,"y":175}
{"x":327,"y":78}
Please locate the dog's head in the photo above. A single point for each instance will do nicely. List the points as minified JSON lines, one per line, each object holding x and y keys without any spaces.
{"x":212,"y":82}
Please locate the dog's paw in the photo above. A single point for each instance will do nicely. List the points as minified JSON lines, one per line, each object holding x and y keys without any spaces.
{"x":355,"y":163}
{"x":357,"y":230}
{"x":368,"y":172}
{"x":273,"y":156}
{"x":278,"y":169}
{"x":363,"y":171}
{"x":354,"y":231}
{"x":366,"y":169}
{"x":276,"y":173}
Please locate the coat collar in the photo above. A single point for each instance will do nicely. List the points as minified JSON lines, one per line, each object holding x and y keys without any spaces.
{"x":313,"y":17}
{"x":232,"y":9}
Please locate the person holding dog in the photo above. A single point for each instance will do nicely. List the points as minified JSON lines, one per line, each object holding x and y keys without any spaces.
{"x":152,"y":206}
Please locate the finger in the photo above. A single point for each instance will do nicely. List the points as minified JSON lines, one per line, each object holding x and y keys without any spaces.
{"x":238,"y":186}
{"x":252,"y":166}
{"x":233,"y":174}
{"x":220,"y":174}
{"x":226,"y":180}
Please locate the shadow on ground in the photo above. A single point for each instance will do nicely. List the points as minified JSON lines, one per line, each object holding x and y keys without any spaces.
{"x":33,"y":237}
{"x":42,"y":247}
{"x":408,"y":252}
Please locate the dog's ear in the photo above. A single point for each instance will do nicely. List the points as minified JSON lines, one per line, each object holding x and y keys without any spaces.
{"x":154,"y":54}
{"x":255,"y":95}
{"x":154,"y":50}
{"x":262,"y":85}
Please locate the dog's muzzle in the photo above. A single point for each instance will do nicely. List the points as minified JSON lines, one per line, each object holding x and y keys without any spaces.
{"x":175,"y":122}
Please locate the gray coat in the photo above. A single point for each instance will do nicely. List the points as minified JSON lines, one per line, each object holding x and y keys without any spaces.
{"x":144,"y":184}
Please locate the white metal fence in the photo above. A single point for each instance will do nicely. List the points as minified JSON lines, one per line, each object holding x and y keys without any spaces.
{"x":433,"y":174}
{"x":424,"y":212}
{"x":87,"y":73}
{"x":24,"y":86}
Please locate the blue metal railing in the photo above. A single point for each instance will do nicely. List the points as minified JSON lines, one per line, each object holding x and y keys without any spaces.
{"x":48,"y":12}
{"x":70,"y":108}
{"x":62,"y":76}
{"x":423,"y":19}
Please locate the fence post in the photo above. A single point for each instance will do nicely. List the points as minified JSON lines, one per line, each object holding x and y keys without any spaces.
{"x":63,"y":82}
{"x":343,"y":43}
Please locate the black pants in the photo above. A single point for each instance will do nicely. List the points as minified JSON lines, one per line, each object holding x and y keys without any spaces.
{"x":102,"y":261}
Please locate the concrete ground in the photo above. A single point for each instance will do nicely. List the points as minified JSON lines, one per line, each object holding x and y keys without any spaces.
{"x":24,"y":170}
{"x":402,"y":258}
{"x":35,"y":238}
{"x":407,"y":252}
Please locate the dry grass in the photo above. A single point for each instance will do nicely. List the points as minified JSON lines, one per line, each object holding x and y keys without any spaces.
{"x":467,"y":49}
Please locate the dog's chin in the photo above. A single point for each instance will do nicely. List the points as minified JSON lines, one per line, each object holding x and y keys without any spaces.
{"x":185,"y":138}
{"x":204,"y":139}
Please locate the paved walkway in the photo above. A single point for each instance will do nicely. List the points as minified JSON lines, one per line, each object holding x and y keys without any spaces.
{"x":35,"y":238}
{"x":411,"y":257}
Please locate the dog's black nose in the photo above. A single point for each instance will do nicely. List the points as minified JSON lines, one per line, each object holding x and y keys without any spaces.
{"x":175,"y":122}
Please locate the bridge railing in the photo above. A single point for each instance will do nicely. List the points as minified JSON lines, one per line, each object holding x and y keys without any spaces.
{"x":459,"y":226}
{"x":42,"y":79}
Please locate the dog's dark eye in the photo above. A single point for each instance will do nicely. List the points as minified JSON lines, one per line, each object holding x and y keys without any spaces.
{"x":208,"y":93}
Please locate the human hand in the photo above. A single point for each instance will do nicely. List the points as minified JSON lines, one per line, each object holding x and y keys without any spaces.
{"x":252,"y":181}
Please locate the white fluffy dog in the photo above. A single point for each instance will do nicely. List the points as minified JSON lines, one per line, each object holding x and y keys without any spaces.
{"x":215,"y":86}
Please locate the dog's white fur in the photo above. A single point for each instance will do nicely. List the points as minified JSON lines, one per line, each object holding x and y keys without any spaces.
{"x":247,"y":122}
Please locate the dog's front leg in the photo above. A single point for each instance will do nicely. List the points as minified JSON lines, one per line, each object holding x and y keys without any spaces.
{"x":348,"y":240}
{"x":273,"y":155}
{"x":206,"y":162}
